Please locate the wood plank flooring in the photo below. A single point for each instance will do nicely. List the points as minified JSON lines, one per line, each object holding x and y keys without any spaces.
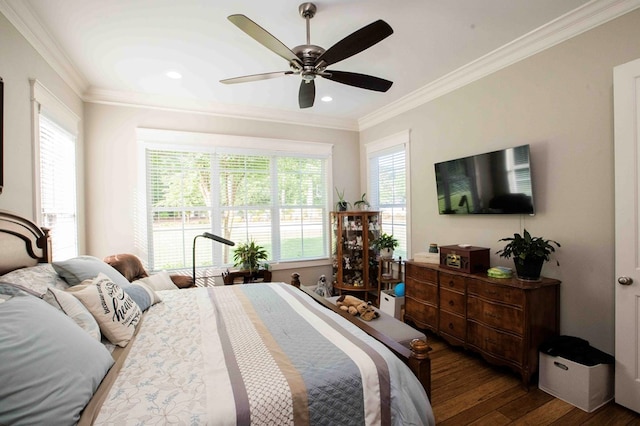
{"x":468,"y":391}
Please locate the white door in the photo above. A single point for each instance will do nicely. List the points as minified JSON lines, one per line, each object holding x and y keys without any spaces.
{"x":626,"y":92}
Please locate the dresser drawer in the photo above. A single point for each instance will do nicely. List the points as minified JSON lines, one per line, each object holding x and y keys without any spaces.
{"x":499,"y":293}
{"x":452,"y":301}
{"x":423,"y":315}
{"x":423,"y":274}
{"x":452,"y":325}
{"x":421,"y":291}
{"x":496,"y":343}
{"x":452,"y":282}
{"x":496,"y":315}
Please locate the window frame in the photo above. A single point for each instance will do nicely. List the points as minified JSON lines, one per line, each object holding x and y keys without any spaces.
{"x":397,"y":142}
{"x":43,"y":101}
{"x":156,"y":139}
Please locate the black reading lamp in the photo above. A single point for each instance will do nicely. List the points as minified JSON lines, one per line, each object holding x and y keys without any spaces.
{"x":211,"y":237}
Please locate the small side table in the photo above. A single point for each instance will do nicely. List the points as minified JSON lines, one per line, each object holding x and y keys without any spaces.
{"x":246,"y":277}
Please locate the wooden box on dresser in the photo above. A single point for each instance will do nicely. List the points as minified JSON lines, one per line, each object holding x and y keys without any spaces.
{"x":504,"y":320}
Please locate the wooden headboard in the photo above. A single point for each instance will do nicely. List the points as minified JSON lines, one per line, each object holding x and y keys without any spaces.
{"x":22,"y":243}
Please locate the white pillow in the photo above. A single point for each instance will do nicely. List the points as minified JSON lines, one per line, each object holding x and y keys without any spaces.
{"x":116,"y":312}
{"x":159,"y":281}
{"x":74,"y":309}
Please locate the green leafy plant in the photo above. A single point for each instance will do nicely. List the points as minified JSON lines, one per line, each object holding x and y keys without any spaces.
{"x":362,"y":203}
{"x":249,"y":255}
{"x":525,"y":247}
{"x":342,"y":204}
{"x":385,"y":241}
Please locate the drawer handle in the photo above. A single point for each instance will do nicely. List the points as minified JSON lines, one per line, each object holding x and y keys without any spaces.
{"x":488,"y":340}
{"x":451,"y":303}
{"x":492,"y":292}
{"x":451,"y":326}
{"x":491,"y":315}
{"x":561,"y":366}
{"x":451,"y":283}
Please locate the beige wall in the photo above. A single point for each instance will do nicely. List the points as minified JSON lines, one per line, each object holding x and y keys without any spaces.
{"x":18,"y":63}
{"x":560,"y":102}
{"x":112,"y":167}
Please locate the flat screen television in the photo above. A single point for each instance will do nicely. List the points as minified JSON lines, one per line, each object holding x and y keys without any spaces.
{"x":497,"y":182}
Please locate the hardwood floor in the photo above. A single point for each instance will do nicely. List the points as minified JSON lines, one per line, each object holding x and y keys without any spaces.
{"x":468,"y":391}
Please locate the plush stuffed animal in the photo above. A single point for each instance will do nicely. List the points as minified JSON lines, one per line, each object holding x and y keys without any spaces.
{"x":356,"y":306}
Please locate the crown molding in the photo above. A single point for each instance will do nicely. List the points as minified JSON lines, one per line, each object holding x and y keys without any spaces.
{"x":194,"y":106}
{"x":584,"y":18}
{"x":590,"y":15}
{"x":22,"y":17}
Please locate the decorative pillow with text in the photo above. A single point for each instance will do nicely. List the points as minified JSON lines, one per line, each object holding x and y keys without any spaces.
{"x":116,"y":312}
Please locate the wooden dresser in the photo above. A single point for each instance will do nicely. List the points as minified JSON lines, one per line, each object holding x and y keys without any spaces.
{"x":504,"y":320}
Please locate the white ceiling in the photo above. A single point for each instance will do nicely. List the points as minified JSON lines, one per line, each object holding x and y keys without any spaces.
{"x":120,"y":50}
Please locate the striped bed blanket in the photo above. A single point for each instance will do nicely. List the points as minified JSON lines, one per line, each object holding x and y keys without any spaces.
{"x":257,"y":354}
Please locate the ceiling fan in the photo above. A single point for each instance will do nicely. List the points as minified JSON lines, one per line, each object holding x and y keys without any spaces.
{"x":311,"y":61}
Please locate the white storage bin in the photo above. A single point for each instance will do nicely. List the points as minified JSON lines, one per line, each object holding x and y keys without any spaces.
{"x":585,"y":387}
{"x":391,"y":304}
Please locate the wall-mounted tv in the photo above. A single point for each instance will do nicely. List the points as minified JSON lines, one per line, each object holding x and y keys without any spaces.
{"x":497,"y":182}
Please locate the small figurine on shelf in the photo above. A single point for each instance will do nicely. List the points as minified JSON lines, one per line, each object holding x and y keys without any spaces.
{"x":347,"y":262}
{"x":357,"y":280}
{"x":323,"y":287}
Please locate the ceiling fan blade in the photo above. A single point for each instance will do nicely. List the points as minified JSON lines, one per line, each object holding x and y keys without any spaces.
{"x":307,"y":93}
{"x":255,"y":77}
{"x":362,"y":81}
{"x":356,"y":42}
{"x":263,"y":37}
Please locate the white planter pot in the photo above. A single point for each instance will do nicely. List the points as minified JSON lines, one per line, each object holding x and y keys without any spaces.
{"x":386,"y":253}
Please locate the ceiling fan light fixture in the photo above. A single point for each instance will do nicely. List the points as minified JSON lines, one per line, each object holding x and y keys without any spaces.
{"x":174,"y":75}
{"x":326,"y":99}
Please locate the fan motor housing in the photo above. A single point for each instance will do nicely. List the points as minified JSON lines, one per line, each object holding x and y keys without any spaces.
{"x":308,"y":53}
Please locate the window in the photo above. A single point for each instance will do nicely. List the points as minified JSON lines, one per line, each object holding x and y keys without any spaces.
{"x":55,"y":147}
{"x":388,"y":187}
{"x":276,"y":198}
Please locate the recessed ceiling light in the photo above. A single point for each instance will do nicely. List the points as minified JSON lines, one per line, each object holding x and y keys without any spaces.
{"x":326,"y":99}
{"x":174,"y":75}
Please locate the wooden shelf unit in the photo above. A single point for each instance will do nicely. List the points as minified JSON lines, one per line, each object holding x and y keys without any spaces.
{"x":504,"y":320}
{"x":353,"y":257}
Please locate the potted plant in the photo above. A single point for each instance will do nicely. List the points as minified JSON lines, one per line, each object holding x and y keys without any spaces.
{"x":386,"y":243}
{"x":529,"y":254}
{"x":249,"y":255}
{"x":362,"y":203}
{"x":342,"y":204}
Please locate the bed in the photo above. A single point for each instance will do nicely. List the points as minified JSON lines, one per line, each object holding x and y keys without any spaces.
{"x":244,"y":354}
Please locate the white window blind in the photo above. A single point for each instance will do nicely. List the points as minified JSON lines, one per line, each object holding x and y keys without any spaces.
{"x":388,"y":187}
{"x":57,"y":152}
{"x":277,"y":199}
